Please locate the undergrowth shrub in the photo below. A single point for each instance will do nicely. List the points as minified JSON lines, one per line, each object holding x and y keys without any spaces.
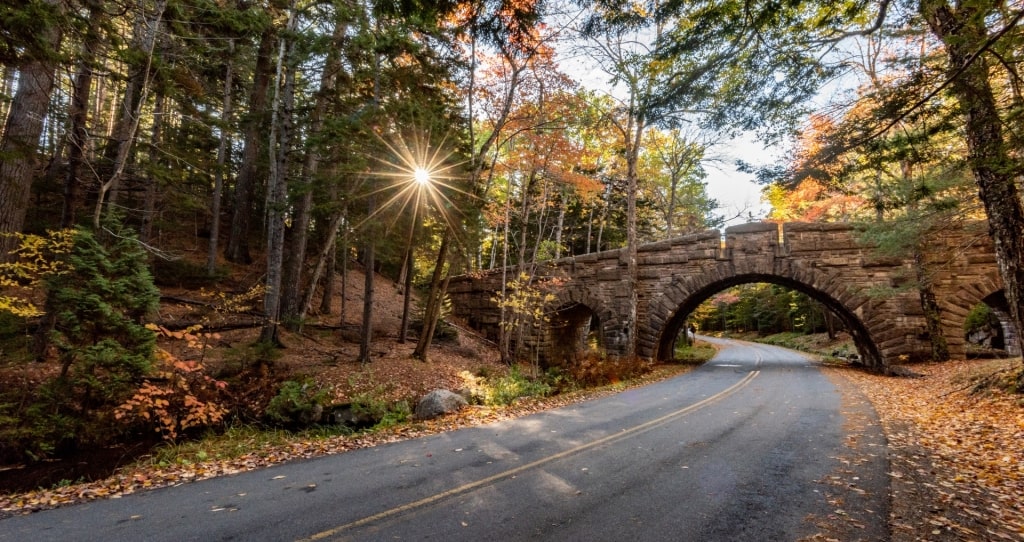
{"x":593,"y":369}
{"x":297,"y":403}
{"x":979,"y":318}
{"x":504,"y":390}
{"x":374,"y":404}
{"x":94,"y":312}
{"x":397,"y":413}
{"x":175,"y":400}
{"x":178,"y":397}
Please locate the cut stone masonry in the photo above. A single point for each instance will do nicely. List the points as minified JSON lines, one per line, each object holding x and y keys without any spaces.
{"x":874,"y":295}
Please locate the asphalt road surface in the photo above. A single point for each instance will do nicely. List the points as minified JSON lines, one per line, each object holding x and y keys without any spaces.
{"x":757,"y":444}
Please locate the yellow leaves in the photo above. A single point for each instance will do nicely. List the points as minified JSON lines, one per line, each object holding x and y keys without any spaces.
{"x":228,"y":302}
{"x":37,"y":257}
{"x":19,"y":307}
{"x":525,"y":301}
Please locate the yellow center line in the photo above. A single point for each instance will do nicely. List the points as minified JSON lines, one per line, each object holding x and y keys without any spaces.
{"x":512,"y":472}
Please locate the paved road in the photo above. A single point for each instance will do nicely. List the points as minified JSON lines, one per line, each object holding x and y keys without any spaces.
{"x":755,"y":445}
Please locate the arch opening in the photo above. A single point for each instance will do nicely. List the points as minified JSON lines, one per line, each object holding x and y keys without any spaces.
{"x":573,"y":330}
{"x":988,"y":329}
{"x":867,"y":352}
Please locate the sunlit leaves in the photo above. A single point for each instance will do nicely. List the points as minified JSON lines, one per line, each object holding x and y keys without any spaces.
{"x":179,"y":395}
{"x":525,"y":302}
{"x":971,"y":442}
{"x":35,"y":258}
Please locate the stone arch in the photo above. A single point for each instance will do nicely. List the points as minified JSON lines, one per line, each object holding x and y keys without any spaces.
{"x":575,"y":316}
{"x":954,"y":309}
{"x":667,"y":311}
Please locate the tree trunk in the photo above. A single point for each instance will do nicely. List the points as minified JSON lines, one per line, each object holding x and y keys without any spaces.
{"x":963,"y":33}
{"x":251,"y":169}
{"x":560,"y":223}
{"x":431,"y":310}
{"x":328,"y":291}
{"x":590,"y":229}
{"x":368,"y":263}
{"x":930,"y":306}
{"x":830,"y":321}
{"x":79,"y":114}
{"x":524,"y":217}
{"x":7,"y":82}
{"x":296,"y":238}
{"x":504,"y":331}
{"x":410,"y":268}
{"x":430,"y":321}
{"x":277,"y":190}
{"x":298,"y":234}
{"x":150,"y":197}
{"x":632,"y":269}
{"x":222,"y":159}
{"x":123,"y":136}
{"x":19,"y":146}
{"x":344,"y":277}
{"x":325,"y":260}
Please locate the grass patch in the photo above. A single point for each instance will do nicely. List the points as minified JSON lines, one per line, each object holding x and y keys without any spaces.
{"x":237,"y":441}
{"x":838,"y":349}
{"x":695,"y":354}
{"x":504,"y":390}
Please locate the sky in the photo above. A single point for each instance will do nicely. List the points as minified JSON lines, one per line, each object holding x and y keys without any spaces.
{"x":737,"y":193}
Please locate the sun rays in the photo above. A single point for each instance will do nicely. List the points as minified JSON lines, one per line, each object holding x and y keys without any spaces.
{"x":419,"y":176}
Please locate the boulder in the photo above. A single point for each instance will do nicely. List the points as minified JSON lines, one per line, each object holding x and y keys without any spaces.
{"x":438,"y":403}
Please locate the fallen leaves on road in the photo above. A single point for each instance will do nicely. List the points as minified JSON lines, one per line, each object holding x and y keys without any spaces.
{"x":962,"y":447}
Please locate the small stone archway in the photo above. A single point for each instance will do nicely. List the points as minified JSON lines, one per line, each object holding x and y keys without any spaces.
{"x":954,"y":310}
{"x":575,"y":317}
{"x":1001,"y":307}
{"x":672,"y":308}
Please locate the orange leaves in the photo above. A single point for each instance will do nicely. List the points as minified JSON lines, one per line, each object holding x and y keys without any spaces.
{"x":192,"y":335}
{"x":976,"y":442}
{"x":177,"y":398}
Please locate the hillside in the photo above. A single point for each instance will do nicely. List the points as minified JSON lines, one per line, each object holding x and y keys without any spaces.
{"x":324,"y":353}
{"x":327,"y":349}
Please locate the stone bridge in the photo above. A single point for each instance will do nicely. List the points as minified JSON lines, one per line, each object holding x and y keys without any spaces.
{"x":875,"y":296}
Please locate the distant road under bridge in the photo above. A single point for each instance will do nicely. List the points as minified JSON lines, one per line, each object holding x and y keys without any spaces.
{"x":874,"y":295}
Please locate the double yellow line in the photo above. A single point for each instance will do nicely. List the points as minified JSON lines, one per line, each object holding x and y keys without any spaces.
{"x":513,"y":472}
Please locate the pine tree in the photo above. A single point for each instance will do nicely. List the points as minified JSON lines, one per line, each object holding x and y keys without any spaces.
{"x":97,"y":309}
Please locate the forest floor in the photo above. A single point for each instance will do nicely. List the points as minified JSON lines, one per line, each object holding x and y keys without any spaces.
{"x":956,"y":441}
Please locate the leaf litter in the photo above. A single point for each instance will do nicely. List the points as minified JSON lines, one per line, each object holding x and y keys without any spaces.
{"x":956,"y":449}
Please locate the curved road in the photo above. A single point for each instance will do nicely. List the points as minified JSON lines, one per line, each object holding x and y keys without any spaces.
{"x":757,"y":444}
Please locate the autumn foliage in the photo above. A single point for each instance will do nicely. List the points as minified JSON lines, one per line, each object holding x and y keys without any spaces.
{"x":35,"y":258}
{"x":178,"y":396}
